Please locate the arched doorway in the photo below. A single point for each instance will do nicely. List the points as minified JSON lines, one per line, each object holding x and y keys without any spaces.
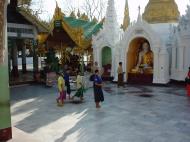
{"x":140,"y":61}
{"x":106,"y":61}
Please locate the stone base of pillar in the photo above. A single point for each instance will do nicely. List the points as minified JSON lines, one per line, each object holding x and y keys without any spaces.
{"x":24,"y":68}
{"x":5,"y":134}
{"x":15,"y":72}
{"x":137,"y":78}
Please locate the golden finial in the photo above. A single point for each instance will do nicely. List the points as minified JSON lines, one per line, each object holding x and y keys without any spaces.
{"x":102,"y":21}
{"x":84,"y":17}
{"x":58,"y":14}
{"x":73,"y":14}
{"x":56,"y":4}
{"x":95,"y":20}
{"x":78,"y":13}
{"x":126,"y":20}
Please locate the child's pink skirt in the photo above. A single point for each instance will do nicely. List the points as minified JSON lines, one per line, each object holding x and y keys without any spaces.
{"x":62,"y":95}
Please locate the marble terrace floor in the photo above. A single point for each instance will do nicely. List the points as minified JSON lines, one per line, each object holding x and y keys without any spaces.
{"x":130,"y":114}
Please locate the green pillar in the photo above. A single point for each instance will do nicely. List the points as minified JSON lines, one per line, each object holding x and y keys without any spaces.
{"x":5,"y":117}
{"x":24,"y":69}
{"x":35,"y":58}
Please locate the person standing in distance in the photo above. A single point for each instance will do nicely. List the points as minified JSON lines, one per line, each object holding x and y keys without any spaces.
{"x":120,"y":75}
{"x":98,"y":92}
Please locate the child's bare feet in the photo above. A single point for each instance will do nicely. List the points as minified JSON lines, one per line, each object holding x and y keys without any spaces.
{"x":57,"y":100}
{"x":81,"y":98}
{"x":72,"y":98}
{"x":60,"y":104}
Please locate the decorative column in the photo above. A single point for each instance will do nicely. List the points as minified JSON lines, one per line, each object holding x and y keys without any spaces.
{"x":174,"y":62}
{"x":174,"y":58}
{"x":163,"y":66}
{"x":35,"y":56}
{"x":5,"y":117}
{"x":94,"y":54}
{"x":123,"y":57}
{"x":115,"y":63}
{"x":99,"y":57}
{"x":181,"y":59}
{"x":15,"y":60}
{"x":24,"y":70}
{"x":156,"y":65}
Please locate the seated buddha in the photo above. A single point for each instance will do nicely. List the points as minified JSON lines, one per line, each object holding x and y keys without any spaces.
{"x":145,"y":60}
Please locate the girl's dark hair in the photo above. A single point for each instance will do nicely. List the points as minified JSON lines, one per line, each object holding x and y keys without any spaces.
{"x":96,"y":71}
{"x":78,"y":72}
{"x":189,"y":68}
{"x":58,"y":73}
{"x":120,"y":63}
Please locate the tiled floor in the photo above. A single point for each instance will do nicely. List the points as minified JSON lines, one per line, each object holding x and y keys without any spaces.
{"x":130,"y":114}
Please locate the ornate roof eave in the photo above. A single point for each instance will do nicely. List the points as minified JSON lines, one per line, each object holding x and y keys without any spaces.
{"x":76,"y":34}
{"x":31,"y":18}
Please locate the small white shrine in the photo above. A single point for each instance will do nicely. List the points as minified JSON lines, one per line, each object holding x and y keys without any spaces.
{"x":180,"y":44}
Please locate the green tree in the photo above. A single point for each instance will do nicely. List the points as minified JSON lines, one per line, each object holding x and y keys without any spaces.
{"x":52,"y":60}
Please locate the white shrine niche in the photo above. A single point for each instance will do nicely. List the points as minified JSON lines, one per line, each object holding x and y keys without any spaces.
{"x":181,"y":48}
{"x":142,"y":30}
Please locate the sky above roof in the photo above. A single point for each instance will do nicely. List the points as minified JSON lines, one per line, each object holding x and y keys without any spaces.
{"x":49,"y":6}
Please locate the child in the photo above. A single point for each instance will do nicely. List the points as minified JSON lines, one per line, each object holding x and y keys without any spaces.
{"x":67,"y":82}
{"x":61,"y":87}
{"x":80,"y":87}
{"x":120,"y":75}
{"x":98,"y":93}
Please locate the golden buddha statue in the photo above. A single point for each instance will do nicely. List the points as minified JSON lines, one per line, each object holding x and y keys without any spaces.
{"x":145,"y":60}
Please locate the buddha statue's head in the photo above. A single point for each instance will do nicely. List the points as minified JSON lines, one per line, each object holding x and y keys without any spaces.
{"x":96,"y":63}
{"x":146,"y":47}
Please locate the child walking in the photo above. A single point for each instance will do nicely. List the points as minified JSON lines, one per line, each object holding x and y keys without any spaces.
{"x":80,"y":87}
{"x":61,"y":88}
{"x":98,"y":92}
{"x":67,"y":82}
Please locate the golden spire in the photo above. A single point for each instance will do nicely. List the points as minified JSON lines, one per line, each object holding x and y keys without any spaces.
{"x":56,"y":4}
{"x":95,"y":20}
{"x":58,"y":14}
{"x":102,"y":21}
{"x":72,"y":14}
{"x":126,"y":20}
{"x":161,"y":11}
{"x":84,"y":17}
{"x":78,"y":13}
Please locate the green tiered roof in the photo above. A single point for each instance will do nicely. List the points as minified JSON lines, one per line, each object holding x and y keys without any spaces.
{"x":89,"y":27}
